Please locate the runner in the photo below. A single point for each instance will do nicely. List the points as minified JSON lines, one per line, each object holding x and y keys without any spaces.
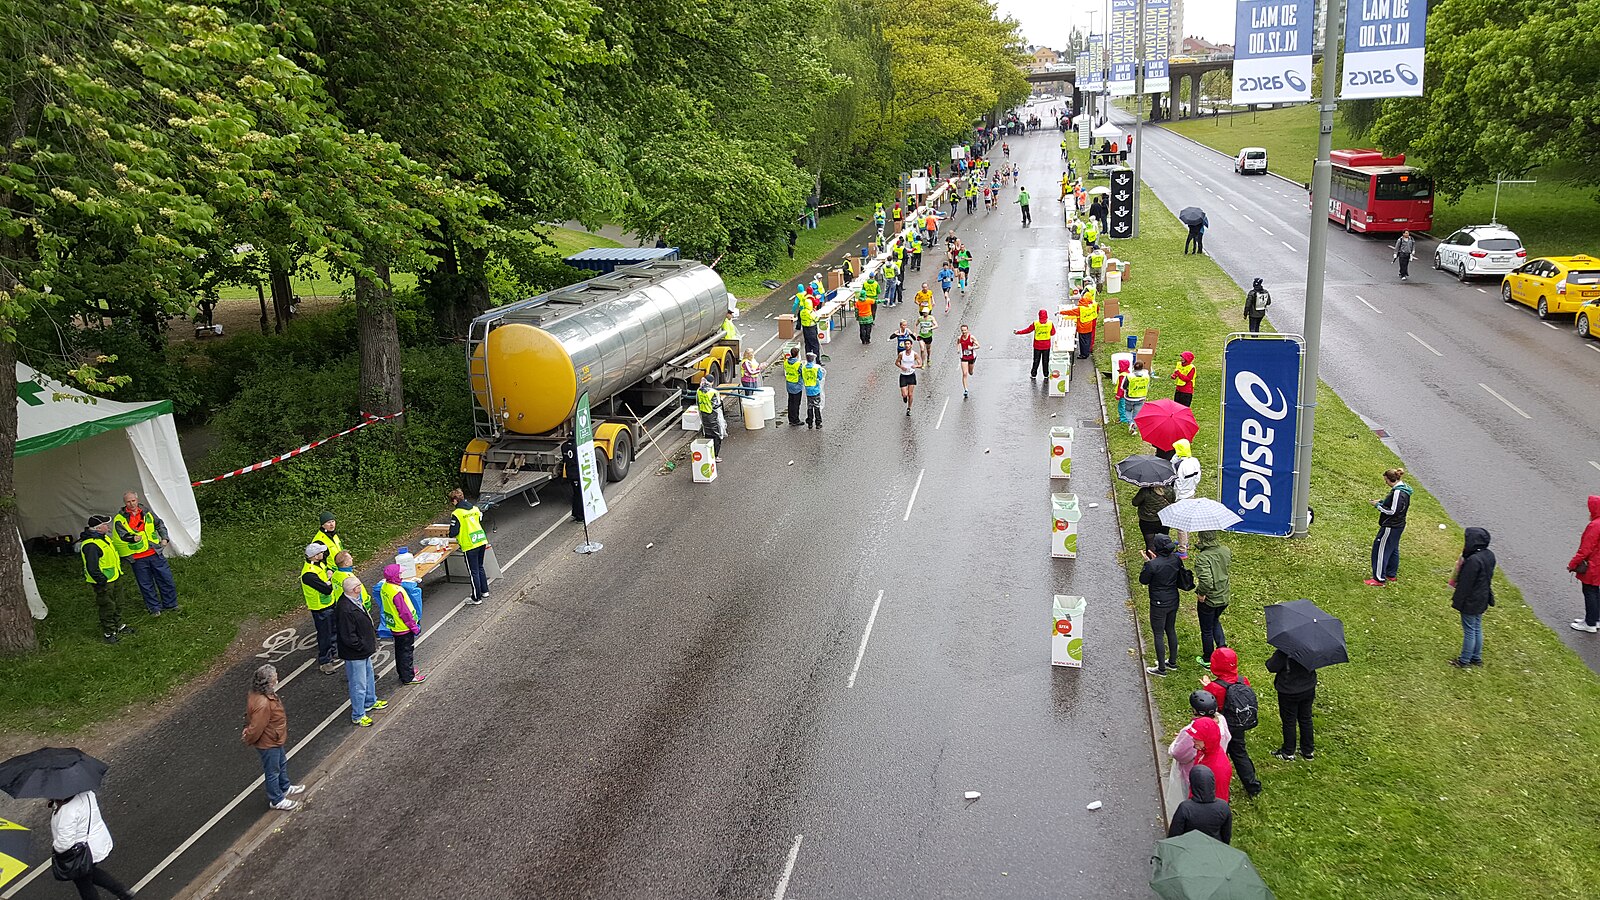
{"x":963,"y":265}
{"x":926,"y":325}
{"x":988,"y":199}
{"x":947,"y":278}
{"x":902,"y":337}
{"x":907,"y":361}
{"x":969,"y":357}
{"x":924,"y":298}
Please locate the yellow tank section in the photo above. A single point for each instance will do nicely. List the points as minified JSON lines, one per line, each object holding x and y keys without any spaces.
{"x":533,"y":377}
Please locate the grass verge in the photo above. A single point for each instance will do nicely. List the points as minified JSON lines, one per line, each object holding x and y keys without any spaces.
{"x":1429,"y":782}
{"x":244,"y":573}
{"x":814,"y":245}
{"x":1556,"y":217}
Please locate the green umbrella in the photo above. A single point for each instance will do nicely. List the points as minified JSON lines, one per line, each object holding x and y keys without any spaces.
{"x":1196,"y":866}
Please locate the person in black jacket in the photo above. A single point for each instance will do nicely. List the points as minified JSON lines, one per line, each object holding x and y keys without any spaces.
{"x":1474,"y":594}
{"x":1165,"y":575}
{"x":357,"y":640}
{"x":1297,"y":688}
{"x":1391,"y":522}
{"x":1203,"y":811}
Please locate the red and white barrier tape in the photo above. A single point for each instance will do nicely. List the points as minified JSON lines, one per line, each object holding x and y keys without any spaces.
{"x":365,"y":421}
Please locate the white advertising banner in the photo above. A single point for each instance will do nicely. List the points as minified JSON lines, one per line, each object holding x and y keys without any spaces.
{"x":1383,"y":49}
{"x":1272,"y":51}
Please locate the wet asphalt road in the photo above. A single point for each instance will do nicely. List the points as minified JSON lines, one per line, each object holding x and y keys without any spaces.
{"x":704,"y":716}
{"x":1423,"y":360}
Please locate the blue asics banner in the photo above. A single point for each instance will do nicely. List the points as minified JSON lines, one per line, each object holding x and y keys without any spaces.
{"x":1383,"y":48}
{"x":1260,"y":408}
{"x":1092,"y":79}
{"x":1157,"y":45}
{"x":1272,"y":51}
{"x":1124,"y":34}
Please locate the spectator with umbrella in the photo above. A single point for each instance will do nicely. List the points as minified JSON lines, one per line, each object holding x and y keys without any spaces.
{"x":79,"y":838}
{"x":1304,"y":639}
{"x":1153,"y":475}
{"x":1162,"y":423}
{"x":1195,"y":218}
{"x":1197,"y":866}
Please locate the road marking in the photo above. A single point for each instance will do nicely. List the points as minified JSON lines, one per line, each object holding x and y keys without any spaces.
{"x":1210,"y":191}
{"x":1369,"y":305}
{"x":941,"y":414}
{"x":1482,"y":291}
{"x":303,"y":666}
{"x":1425,"y":344}
{"x":913,"y":499}
{"x":788,"y":868}
{"x":524,"y":552}
{"x":1231,"y":206}
{"x":1263,"y":228}
{"x":1594,"y":347}
{"x":1504,"y":400}
{"x":1551,"y":325}
{"x":1595,"y":464}
{"x":860,"y":653}
{"x":1247,"y":217}
{"x":1287,"y":244}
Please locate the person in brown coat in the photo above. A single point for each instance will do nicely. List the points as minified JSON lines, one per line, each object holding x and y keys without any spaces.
{"x":267,"y":729}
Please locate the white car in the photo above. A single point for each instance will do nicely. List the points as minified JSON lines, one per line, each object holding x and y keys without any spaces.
{"x":1480,"y":251}
{"x":1251,"y":160}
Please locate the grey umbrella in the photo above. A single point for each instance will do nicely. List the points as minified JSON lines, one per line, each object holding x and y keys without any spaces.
{"x":1146,"y":471}
{"x":1191,"y":215}
{"x":1199,"y":514}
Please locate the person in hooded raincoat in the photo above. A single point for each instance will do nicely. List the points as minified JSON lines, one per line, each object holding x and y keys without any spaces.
{"x":1474,"y":594}
{"x":1188,"y":470}
{"x":1211,"y":560}
{"x":1209,"y":752}
{"x":1585,"y":565}
{"x":1225,"y":672}
{"x":1043,"y":332}
{"x":1203,"y":811}
{"x":1181,"y":749}
{"x":1183,"y":379}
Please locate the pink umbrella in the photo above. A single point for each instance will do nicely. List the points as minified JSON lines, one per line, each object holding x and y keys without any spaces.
{"x":1161,"y":422}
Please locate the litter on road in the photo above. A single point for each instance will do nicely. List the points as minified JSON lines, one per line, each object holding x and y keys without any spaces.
{"x":1094,"y":805}
{"x":973,"y":795}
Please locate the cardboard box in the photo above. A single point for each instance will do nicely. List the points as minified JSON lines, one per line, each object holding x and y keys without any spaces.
{"x":703,"y":460}
{"x":1061,"y":452}
{"x":1066,"y":631}
{"x":1148,"y":357}
{"x":1064,"y":526}
{"x":1111,"y":332}
{"x":1111,"y":308}
{"x":786,"y":327}
{"x":1150,"y":335}
{"x":872,"y":249}
{"x":835,"y":279}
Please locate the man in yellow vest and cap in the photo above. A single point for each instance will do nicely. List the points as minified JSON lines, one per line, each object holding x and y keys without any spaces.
{"x":328,"y":534}
{"x":316,"y":587}
{"x":102,"y":569}
{"x":1088,"y":321}
{"x":808,"y":324}
{"x":466,"y":526}
{"x":791,"y":382}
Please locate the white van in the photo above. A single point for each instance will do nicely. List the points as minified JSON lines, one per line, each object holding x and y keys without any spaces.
{"x":1251,"y":161}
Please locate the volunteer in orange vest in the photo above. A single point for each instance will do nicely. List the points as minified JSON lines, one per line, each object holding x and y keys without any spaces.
{"x":139,"y":536}
{"x":1042,"y":332}
{"x":864,"y":309}
{"x":1088,"y":320}
{"x":1183,"y":391}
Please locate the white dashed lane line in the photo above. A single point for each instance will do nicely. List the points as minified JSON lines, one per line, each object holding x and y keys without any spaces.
{"x":1424,"y":343}
{"x":1369,"y":305}
{"x":1496,"y":395}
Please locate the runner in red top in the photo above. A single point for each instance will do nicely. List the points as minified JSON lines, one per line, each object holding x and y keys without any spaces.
{"x":969,"y":356}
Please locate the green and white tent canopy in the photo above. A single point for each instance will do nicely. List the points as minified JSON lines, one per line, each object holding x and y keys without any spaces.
{"x":77,"y":454}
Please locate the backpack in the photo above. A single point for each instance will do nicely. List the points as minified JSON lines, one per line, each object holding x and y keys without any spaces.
{"x":1240,"y":707}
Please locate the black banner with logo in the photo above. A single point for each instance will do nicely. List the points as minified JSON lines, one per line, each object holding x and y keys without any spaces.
{"x":1121,"y":200}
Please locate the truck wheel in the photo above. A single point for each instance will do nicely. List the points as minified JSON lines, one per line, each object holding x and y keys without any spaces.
{"x":621,"y":456}
{"x":472,"y":484}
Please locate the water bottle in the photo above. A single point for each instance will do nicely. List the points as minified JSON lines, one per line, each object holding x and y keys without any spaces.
{"x":407,"y":564}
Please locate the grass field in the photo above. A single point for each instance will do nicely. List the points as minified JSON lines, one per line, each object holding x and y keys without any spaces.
{"x":1556,"y":217}
{"x":813,"y":245}
{"x":1429,"y":782}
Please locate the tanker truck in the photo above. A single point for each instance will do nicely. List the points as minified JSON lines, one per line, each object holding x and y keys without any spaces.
{"x":635,"y":339}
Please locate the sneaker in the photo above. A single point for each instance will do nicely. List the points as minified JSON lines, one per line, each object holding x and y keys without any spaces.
{"x":154,"y":613}
{"x":1581,"y":625}
{"x":1373,"y":582}
{"x":363,"y":722}
{"x":719,"y":459}
{"x":295,"y":789}
{"x":416,"y":679}
{"x":908,"y":412}
{"x":965,"y":395}
{"x":1285,"y":755}
{"x":1476,"y":663}
{"x":328,"y":668}
{"x":127,"y":629}
{"x":1158,"y":671}
{"x":1392,"y":578}
{"x":286,"y":805}
{"x":378,"y":704}
{"x":1203,"y":661}
{"x":111,"y":639}
{"x":1460,"y":664}
{"x":1308,"y":755}
{"x":474,"y":601}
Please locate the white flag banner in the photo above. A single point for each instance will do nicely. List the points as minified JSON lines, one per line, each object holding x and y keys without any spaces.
{"x":1383,"y":48}
{"x":1272,"y":51}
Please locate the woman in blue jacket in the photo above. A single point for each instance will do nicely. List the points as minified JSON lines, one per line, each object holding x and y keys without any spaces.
{"x":1391,"y":522}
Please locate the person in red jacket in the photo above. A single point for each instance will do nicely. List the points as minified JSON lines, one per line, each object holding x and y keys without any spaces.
{"x":1042,"y":332}
{"x":1585,"y":565}
{"x":1225,"y":668}
{"x":1183,"y":376}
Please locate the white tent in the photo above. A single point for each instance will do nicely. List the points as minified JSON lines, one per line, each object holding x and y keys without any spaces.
{"x":77,"y":454}
{"x":1109,"y":131}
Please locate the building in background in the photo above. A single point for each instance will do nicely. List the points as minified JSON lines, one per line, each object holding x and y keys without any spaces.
{"x":1043,"y":58}
{"x":1200,"y":48}
{"x":1176,"y":28}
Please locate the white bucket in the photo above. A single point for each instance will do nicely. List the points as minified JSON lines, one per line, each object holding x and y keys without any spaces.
{"x":1113,"y":282}
{"x":769,"y":402}
{"x":753,"y":420}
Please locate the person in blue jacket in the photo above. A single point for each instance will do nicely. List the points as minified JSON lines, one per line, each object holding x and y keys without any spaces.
{"x":1391,"y":523}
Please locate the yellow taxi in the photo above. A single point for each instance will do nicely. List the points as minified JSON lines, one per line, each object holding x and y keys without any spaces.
{"x":1553,"y":284}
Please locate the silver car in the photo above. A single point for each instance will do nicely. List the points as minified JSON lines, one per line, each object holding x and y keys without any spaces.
{"x":1480,"y":251}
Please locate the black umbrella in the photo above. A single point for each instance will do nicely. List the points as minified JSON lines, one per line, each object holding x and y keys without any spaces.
{"x":1308,"y":635}
{"x":1146,"y":471}
{"x":1191,"y":215}
{"x":51,"y":773}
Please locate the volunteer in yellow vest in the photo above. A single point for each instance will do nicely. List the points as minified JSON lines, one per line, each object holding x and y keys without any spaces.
{"x":709,"y":404}
{"x":1138,"y":390}
{"x":916,"y":250}
{"x":808,"y":327}
{"x":466,"y":526}
{"x":1088,"y":321}
{"x":791,"y":382}
{"x":729,"y":332}
{"x":328,"y":535}
{"x":102,"y":569}
{"x":1066,"y":185}
{"x":864,"y":315}
{"x":400,"y":617}
{"x":316,"y":586}
{"x":1042,"y":332}
{"x":1097,"y":263}
{"x":138,"y":536}
{"x":1091,"y":231}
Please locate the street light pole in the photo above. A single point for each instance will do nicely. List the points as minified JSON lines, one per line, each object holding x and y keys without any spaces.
{"x":1316,"y":266}
{"x":1138,"y":115}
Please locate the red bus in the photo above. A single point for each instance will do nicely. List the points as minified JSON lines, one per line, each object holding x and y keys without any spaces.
{"x":1373,"y":193}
